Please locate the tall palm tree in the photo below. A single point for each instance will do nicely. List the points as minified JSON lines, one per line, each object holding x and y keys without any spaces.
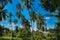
{"x":18,"y":14}
{"x":23,"y":21}
{"x":32,"y":19}
{"x":27,"y":24}
{"x":40,"y":21}
{"x":3,"y":15}
{"x":16,"y":22}
{"x":10,"y":20}
{"x":3,"y":3}
{"x":2,"y":12}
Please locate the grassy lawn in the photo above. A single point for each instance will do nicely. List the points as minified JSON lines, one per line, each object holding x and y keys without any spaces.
{"x":9,"y":38}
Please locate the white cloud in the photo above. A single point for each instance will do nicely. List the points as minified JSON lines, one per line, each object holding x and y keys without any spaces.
{"x":47,"y":18}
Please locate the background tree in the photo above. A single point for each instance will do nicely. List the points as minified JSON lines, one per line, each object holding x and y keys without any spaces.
{"x":40,"y":21}
{"x":52,"y":6}
{"x":3,"y":3}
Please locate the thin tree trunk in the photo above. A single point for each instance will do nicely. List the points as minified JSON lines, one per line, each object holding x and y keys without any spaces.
{"x":31,"y":30}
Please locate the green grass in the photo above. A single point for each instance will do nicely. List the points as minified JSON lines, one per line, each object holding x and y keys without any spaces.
{"x":9,"y":38}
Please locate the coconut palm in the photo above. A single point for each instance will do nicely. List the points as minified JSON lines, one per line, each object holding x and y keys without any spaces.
{"x":2,"y":12}
{"x":16,"y":22}
{"x":10,"y":21}
{"x":18,"y":14}
{"x":40,"y":21}
{"x":32,"y":17}
{"x":10,"y":16}
{"x":23,"y":23}
{"x":3,"y":15}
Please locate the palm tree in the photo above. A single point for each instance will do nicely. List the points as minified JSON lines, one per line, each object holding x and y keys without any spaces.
{"x":10,"y":21}
{"x":15,"y":22}
{"x":40,"y":21}
{"x":3,"y":15}
{"x":18,"y":14}
{"x":28,"y":24}
{"x":32,"y":18}
{"x":2,"y":12}
{"x":52,"y":6}
{"x":23,"y":21}
{"x":27,"y":4}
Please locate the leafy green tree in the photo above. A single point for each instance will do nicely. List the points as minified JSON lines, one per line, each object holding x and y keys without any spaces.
{"x":25,"y":34}
{"x":39,"y":35}
{"x":52,"y":6}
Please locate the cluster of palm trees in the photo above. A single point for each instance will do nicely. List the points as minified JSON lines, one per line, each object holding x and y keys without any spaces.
{"x":25,"y":22}
{"x":28,"y":24}
{"x":52,"y":6}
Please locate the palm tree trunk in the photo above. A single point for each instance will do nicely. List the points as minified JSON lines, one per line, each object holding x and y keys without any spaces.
{"x":31,"y":30}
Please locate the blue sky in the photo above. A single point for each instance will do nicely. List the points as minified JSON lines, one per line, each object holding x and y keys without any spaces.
{"x":12,"y":8}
